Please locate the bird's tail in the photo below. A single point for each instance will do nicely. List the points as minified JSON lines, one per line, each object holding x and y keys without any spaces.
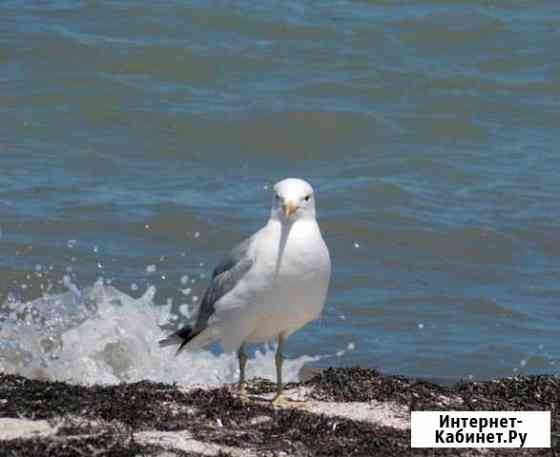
{"x":180,"y":338}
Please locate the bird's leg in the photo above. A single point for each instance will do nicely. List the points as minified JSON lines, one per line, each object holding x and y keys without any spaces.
{"x":242,"y":356}
{"x":279,"y":359}
{"x":279,"y":400}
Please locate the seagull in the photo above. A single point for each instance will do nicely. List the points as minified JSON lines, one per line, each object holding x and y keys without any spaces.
{"x":268,"y":286}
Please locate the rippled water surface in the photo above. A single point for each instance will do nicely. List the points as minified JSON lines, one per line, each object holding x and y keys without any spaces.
{"x":139,"y":141}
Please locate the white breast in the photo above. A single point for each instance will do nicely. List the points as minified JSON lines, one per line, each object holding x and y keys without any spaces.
{"x":297,"y":269}
{"x":285,"y":288}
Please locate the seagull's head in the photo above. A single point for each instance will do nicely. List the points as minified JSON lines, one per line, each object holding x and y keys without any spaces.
{"x":293,"y":200}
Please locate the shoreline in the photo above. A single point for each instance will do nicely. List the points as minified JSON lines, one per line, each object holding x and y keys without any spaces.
{"x":347,"y":411}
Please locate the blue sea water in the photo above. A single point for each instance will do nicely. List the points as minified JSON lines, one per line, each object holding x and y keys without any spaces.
{"x":139,"y":142}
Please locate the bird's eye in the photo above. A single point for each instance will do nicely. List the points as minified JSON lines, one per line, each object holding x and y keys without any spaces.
{"x":307,"y":198}
{"x":277,"y":197}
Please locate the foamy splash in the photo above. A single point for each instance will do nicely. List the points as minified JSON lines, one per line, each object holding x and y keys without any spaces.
{"x":102,"y":335}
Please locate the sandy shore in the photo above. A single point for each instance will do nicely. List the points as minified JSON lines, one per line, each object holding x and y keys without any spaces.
{"x":346,"y":412}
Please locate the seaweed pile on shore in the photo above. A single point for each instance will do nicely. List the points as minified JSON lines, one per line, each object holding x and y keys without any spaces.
{"x":518,"y":393}
{"x":154,"y":419}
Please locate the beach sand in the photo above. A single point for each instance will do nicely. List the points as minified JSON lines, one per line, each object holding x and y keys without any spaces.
{"x":347,"y":411}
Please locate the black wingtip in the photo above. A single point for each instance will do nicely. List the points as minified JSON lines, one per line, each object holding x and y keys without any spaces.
{"x":181,"y":338}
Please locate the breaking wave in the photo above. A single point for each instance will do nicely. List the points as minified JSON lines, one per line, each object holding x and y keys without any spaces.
{"x":102,"y":335}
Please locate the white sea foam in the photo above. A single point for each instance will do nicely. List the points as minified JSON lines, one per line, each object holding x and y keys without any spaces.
{"x":102,"y":335}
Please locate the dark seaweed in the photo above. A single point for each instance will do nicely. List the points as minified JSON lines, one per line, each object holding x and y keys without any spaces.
{"x":219,"y":416}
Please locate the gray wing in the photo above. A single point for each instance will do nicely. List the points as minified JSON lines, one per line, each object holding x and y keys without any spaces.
{"x":224,"y":278}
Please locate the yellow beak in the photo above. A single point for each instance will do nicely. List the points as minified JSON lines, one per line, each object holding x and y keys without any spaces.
{"x":289,"y":208}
